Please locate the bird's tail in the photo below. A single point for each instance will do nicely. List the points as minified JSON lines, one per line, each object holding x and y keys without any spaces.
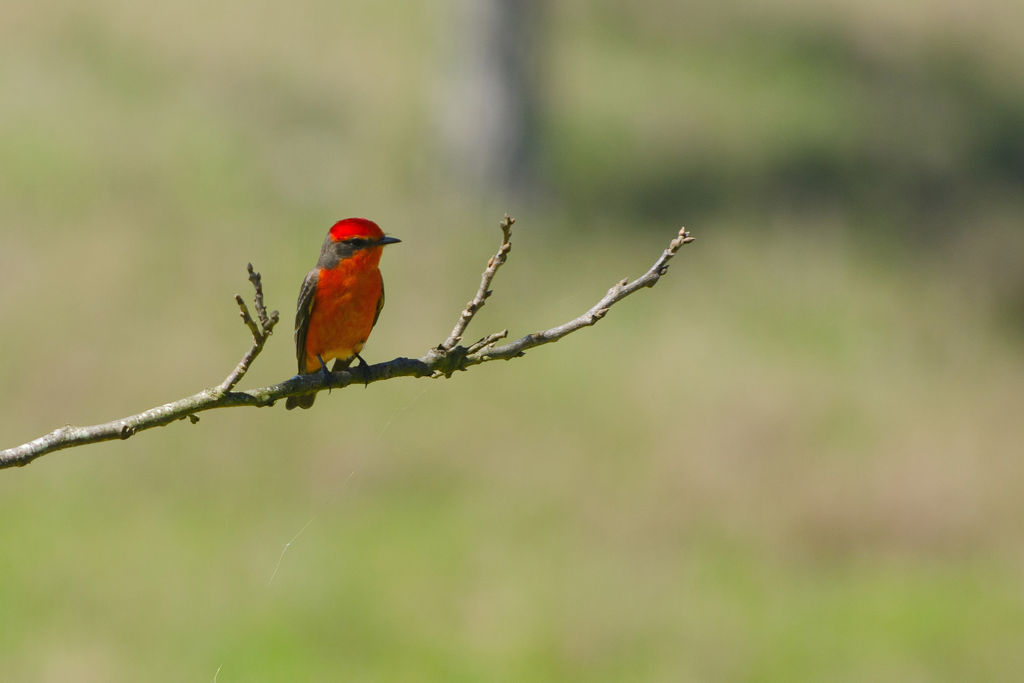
{"x":303,"y":401}
{"x":306,"y":400}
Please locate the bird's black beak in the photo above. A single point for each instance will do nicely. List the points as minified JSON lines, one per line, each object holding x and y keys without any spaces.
{"x":388,"y":240}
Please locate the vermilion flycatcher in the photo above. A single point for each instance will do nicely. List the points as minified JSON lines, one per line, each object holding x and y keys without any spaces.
{"x":340,"y":300}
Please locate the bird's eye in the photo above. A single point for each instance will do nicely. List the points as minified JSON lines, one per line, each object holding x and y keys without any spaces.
{"x":356,"y":242}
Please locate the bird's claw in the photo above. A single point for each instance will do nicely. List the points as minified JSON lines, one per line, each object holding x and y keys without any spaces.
{"x":364,"y":370}
{"x":326,"y":373}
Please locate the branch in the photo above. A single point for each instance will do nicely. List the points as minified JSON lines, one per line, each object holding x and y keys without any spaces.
{"x":259,"y":334}
{"x":440,"y":361}
{"x":477,"y":302}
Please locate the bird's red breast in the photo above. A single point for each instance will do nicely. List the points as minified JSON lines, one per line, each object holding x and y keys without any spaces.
{"x":344,"y":308}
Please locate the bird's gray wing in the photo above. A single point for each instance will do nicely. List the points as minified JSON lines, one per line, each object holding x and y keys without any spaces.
{"x":303,"y":312}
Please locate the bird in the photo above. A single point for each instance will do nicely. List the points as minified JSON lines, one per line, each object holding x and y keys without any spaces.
{"x":340,"y":300}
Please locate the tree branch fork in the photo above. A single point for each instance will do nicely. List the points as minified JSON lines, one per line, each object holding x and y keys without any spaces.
{"x":443,"y":360}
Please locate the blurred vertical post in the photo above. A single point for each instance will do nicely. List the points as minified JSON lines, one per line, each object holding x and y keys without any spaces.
{"x":489,"y":110}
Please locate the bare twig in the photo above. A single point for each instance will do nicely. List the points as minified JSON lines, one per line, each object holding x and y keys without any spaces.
{"x":259,"y":334}
{"x":267,"y":322}
{"x":617,"y":293}
{"x":477,"y":302}
{"x":442,"y":360}
{"x":247,"y":319}
{"x":489,"y":340}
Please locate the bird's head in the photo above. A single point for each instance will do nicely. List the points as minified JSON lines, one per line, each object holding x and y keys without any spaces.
{"x":350,"y":236}
{"x":359,"y":233}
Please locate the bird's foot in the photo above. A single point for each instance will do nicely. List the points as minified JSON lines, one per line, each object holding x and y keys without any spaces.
{"x":325,"y":372}
{"x":364,"y":370}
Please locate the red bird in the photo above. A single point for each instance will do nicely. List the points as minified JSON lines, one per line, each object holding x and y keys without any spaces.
{"x":340,"y":300}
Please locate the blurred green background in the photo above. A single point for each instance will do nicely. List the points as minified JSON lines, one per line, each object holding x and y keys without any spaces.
{"x":797,"y":458}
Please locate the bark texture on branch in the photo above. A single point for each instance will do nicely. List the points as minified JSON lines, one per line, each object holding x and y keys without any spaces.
{"x":441,"y":361}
